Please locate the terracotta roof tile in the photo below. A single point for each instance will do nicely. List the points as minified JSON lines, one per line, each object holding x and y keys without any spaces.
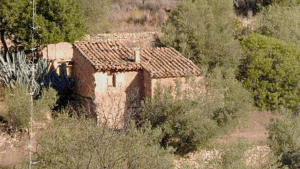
{"x":159,"y":62}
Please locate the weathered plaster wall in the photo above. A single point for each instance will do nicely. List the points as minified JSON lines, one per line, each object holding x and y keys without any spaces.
{"x":113,"y":102}
{"x":83,"y":76}
{"x":172,"y":82}
{"x":147,"y":84}
{"x":59,"y":51}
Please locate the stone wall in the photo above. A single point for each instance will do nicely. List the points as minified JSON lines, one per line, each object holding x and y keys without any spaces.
{"x":147,"y":84}
{"x":141,"y":39}
{"x":167,"y":82}
{"x":114,"y":102}
{"x":58,"y":54}
{"x":84,"y":76}
{"x":62,"y":51}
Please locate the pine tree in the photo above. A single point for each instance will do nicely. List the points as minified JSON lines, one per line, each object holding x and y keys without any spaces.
{"x":57,"y":20}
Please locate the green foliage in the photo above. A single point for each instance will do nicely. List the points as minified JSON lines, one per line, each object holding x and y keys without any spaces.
{"x":289,"y":3}
{"x":81,"y":143}
{"x":281,"y":22}
{"x":233,"y":155}
{"x":284,"y":139}
{"x":198,"y":114}
{"x":271,"y":72}
{"x":19,"y":105}
{"x":95,"y":14}
{"x":202,"y":30}
{"x":235,"y":101}
{"x":57,"y":20}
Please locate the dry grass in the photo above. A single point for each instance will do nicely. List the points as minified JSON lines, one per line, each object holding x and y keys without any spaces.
{"x":254,"y":129}
{"x":134,"y":21}
{"x":135,"y":16}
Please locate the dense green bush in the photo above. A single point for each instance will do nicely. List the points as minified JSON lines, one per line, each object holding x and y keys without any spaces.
{"x":196,"y":115}
{"x":19,"y":105}
{"x":284,"y":139}
{"x":81,"y":143}
{"x":280,"y":22}
{"x":271,"y":71}
{"x":56,"y":21}
{"x":202,"y":30}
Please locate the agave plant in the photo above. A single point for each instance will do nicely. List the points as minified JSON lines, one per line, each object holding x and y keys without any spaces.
{"x":18,"y":69}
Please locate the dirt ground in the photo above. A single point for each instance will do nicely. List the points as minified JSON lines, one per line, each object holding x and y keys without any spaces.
{"x":13,"y":148}
{"x":254,"y":129}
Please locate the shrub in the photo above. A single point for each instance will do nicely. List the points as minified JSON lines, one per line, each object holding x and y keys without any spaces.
{"x":280,"y":22}
{"x":81,"y":143}
{"x":192,"y":117}
{"x":240,"y":154}
{"x":233,"y":155}
{"x":235,"y":101}
{"x":284,"y":139}
{"x":18,"y":102}
{"x":202,"y":30}
{"x":271,"y":72}
{"x":290,"y":3}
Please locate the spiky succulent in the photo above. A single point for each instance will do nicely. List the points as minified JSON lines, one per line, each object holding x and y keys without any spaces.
{"x":16,"y":68}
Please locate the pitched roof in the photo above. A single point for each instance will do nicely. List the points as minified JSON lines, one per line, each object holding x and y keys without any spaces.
{"x":159,"y":62}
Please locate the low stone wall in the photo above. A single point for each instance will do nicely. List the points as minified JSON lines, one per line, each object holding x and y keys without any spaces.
{"x":140,"y":39}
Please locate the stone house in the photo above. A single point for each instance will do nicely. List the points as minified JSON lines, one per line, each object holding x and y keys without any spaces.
{"x":110,"y":76}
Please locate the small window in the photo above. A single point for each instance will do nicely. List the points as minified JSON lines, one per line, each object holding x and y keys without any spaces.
{"x":111,"y":80}
{"x":114,"y":80}
{"x":69,"y":70}
{"x":63,"y":69}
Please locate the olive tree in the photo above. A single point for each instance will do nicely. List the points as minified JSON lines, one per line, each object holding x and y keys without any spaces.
{"x":202,"y":30}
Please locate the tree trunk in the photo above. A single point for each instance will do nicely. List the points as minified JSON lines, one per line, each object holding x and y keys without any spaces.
{"x":3,"y":42}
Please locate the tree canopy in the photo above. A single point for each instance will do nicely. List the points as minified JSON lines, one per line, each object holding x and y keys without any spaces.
{"x":56,"y":20}
{"x":202,"y":30}
{"x":280,"y":22}
{"x":271,"y":72}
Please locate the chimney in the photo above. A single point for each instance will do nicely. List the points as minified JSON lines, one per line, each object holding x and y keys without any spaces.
{"x":137,"y":56}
